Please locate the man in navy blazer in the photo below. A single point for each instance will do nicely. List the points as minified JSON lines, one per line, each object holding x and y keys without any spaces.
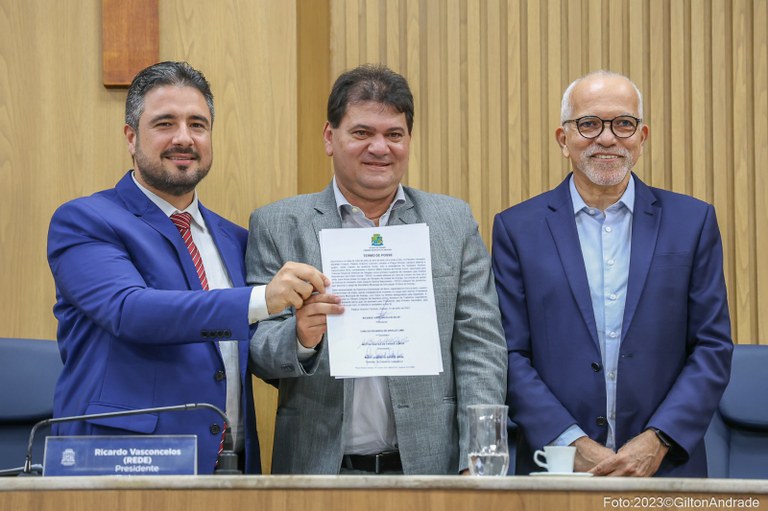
{"x":137,"y":327}
{"x":613,"y":302}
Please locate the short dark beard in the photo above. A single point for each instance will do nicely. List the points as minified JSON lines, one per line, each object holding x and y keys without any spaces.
{"x":158,"y":178}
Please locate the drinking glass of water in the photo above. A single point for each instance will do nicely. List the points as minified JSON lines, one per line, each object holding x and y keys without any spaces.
{"x":488,"y":449}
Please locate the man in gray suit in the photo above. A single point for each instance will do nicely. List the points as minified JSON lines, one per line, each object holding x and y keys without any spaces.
{"x":411,"y":425}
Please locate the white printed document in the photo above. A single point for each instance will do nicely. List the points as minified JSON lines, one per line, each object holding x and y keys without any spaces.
{"x":384,"y":278}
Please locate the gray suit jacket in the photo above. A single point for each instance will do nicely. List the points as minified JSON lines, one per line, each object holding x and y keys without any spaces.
{"x":430,"y":411}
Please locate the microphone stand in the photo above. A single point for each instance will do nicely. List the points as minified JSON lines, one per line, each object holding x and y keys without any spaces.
{"x":226,"y":463}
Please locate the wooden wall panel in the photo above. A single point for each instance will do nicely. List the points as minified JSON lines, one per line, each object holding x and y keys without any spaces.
{"x":60,"y":137}
{"x":488,"y":76}
{"x":743,"y":168}
{"x":61,"y":131}
{"x":313,"y":81}
{"x":249,"y":55}
{"x":760,"y":192}
{"x":721,"y":142}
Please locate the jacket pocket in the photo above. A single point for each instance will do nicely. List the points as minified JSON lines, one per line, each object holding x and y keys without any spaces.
{"x":144,"y":423}
{"x":672,"y":260}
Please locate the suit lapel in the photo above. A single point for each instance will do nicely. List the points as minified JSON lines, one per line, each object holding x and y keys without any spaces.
{"x":140,"y":205}
{"x":562,"y":225}
{"x":645,"y":231}
{"x":326,"y":213}
{"x":228,"y":248}
{"x":406,"y":213}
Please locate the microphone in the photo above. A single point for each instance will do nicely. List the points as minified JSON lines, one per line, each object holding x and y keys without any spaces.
{"x":225,"y":464}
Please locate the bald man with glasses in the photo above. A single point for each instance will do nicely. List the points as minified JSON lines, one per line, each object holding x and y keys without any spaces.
{"x":613,"y":302}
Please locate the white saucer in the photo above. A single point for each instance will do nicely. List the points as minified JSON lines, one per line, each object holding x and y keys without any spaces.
{"x":562,"y":474}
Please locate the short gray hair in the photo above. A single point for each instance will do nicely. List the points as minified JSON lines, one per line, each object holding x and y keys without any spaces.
{"x":566,"y":107}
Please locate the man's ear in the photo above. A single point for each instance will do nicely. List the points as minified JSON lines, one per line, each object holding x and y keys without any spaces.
{"x":644,"y":132}
{"x":130,"y":137}
{"x":328,"y":138}
{"x":560,"y":137}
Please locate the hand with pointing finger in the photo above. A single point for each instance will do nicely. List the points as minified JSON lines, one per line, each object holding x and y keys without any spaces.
{"x":292,"y":285}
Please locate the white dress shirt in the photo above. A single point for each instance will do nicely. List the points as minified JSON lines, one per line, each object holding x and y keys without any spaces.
{"x":218,"y":278}
{"x":371,"y":427}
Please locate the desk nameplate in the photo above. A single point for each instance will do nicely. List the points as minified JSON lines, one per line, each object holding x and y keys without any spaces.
{"x":120,"y":455}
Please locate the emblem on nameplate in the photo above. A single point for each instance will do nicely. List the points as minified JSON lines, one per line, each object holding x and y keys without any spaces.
{"x":68,"y":457}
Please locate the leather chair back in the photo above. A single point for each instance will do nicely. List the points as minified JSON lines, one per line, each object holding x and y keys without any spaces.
{"x":737,"y":438}
{"x":29,"y":369}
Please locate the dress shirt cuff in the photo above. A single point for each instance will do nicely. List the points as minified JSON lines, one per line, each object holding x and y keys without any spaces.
{"x":303,"y":352}
{"x":257,"y":306}
{"x":569,"y":436}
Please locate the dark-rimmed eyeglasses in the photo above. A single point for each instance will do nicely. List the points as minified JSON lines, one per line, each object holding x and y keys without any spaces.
{"x":591,"y":126}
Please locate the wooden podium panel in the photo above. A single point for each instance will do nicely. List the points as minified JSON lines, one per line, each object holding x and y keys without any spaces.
{"x":385,"y":493}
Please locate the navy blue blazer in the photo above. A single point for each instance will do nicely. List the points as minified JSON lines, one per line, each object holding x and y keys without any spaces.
{"x":135,"y":328}
{"x":675,"y":354}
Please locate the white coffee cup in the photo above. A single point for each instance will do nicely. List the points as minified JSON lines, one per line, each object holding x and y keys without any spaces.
{"x":557,"y":458}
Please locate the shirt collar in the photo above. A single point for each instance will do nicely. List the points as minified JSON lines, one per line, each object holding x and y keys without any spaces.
{"x":167,"y":208}
{"x":342,"y":201}
{"x":627,"y":198}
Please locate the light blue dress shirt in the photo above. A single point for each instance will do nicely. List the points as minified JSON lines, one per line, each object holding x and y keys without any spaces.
{"x":606,"y":246}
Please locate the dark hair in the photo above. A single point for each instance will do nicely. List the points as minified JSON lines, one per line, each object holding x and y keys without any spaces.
{"x":179,"y":74}
{"x":370,"y":82}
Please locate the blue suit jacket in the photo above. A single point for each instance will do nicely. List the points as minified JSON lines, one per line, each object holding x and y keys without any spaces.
{"x":135,"y":328}
{"x":674,"y":360}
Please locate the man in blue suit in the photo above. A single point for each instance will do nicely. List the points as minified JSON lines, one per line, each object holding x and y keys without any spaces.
{"x":613,"y":302}
{"x":152,"y":303}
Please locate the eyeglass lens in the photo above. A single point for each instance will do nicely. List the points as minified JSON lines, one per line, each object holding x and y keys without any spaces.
{"x":591,"y":126}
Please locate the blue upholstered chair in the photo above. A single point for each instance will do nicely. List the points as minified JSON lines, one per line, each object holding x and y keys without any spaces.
{"x":737,"y":439}
{"x":28,"y":372}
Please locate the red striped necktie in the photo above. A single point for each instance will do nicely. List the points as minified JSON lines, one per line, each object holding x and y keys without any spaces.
{"x":182,"y":222}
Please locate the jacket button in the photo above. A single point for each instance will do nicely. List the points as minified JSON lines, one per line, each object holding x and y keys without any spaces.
{"x":204,"y":334}
{"x":215,"y":429}
{"x":219,"y":375}
{"x":228,"y":334}
{"x":600,"y":421}
{"x":596,"y":367}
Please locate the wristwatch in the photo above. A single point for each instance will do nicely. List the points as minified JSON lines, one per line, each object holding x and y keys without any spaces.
{"x":663,"y":437}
